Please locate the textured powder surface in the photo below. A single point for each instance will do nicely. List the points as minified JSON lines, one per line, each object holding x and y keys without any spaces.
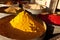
{"x":29,"y":28}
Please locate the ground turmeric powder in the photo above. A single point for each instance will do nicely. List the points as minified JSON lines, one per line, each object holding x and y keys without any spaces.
{"x":25,"y":22}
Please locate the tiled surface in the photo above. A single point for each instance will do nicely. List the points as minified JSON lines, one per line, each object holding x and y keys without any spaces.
{"x":56,"y":29}
{"x":3,"y":15}
{"x":4,"y":38}
{"x":58,"y":7}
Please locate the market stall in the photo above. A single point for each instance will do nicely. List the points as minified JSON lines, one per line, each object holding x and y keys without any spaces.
{"x":29,"y":20}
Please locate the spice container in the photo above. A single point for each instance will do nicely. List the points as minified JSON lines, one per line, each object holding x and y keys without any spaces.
{"x":33,"y":8}
{"x":30,"y":27}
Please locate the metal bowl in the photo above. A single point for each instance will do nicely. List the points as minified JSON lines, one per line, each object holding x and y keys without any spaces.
{"x":33,"y":11}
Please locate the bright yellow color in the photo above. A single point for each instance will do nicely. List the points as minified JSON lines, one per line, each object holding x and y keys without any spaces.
{"x":25,"y":22}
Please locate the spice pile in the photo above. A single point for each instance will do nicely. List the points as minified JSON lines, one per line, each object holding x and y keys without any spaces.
{"x":26,"y":23}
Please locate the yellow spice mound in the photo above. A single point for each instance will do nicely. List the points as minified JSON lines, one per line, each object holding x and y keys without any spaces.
{"x":26,"y":23}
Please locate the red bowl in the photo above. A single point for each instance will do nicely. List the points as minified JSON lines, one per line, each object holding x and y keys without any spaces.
{"x":55,"y":19}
